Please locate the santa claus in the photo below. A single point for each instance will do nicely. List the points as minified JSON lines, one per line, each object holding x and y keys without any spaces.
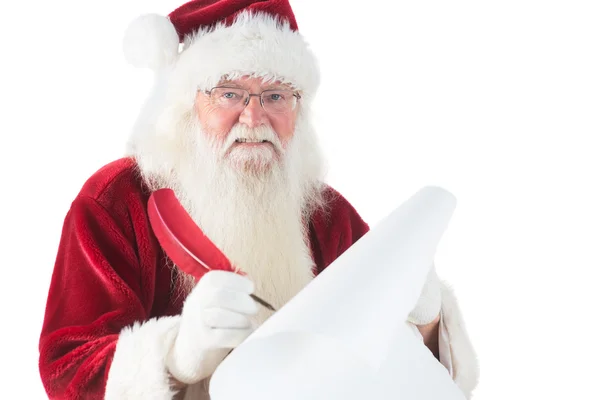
{"x":227,"y":128}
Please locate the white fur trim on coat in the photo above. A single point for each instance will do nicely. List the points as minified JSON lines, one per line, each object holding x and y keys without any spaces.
{"x":138,"y":367}
{"x":465,"y":366}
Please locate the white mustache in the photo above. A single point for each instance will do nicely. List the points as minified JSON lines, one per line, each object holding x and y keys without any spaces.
{"x":260,"y":134}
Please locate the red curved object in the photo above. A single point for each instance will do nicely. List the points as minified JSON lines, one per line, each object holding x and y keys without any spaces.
{"x":183,"y":240}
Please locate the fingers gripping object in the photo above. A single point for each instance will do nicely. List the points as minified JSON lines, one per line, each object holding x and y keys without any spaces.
{"x":183,"y":240}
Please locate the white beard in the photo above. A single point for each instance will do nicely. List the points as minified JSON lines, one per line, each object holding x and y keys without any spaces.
{"x":256,"y":216}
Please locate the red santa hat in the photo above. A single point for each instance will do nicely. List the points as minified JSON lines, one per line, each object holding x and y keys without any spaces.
{"x":203,"y":41}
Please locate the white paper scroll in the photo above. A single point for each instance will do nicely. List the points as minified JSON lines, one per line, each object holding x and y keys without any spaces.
{"x":344,"y":335}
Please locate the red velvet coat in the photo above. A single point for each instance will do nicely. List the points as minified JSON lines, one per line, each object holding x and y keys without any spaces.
{"x":110,"y":272}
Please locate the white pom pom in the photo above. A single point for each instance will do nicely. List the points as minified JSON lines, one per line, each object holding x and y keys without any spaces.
{"x":151,"y":41}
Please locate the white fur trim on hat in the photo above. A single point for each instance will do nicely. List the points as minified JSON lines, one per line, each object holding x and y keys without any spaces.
{"x":151,"y":41}
{"x":255,"y":44}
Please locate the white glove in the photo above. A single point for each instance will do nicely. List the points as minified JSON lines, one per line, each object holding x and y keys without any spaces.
{"x":429,"y":304}
{"x":215,"y":319}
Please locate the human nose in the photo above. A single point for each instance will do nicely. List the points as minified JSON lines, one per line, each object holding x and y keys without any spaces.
{"x":253,"y":115}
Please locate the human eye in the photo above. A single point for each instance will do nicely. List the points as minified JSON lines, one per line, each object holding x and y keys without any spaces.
{"x":276,"y":96}
{"x":228,"y":96}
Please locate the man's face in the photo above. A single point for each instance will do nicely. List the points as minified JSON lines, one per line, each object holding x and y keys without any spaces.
{"x":240,"y":129}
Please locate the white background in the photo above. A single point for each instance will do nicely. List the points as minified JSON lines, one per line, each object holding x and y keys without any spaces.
{"x":498,"y":102}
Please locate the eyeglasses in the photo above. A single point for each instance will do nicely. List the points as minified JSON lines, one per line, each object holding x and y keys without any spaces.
{"x":275,"y":101}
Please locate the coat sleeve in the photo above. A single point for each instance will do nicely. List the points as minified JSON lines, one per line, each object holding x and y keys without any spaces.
{"x":459,"y":349}
{"x":98,"y":303}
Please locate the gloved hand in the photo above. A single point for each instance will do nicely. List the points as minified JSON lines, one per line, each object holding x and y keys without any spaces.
{"x":215,"y":319}
{"x":429,"y":304}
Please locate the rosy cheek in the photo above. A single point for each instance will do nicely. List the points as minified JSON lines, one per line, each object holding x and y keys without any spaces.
{"x":218,"y":123}
{"x":284,"y":129}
